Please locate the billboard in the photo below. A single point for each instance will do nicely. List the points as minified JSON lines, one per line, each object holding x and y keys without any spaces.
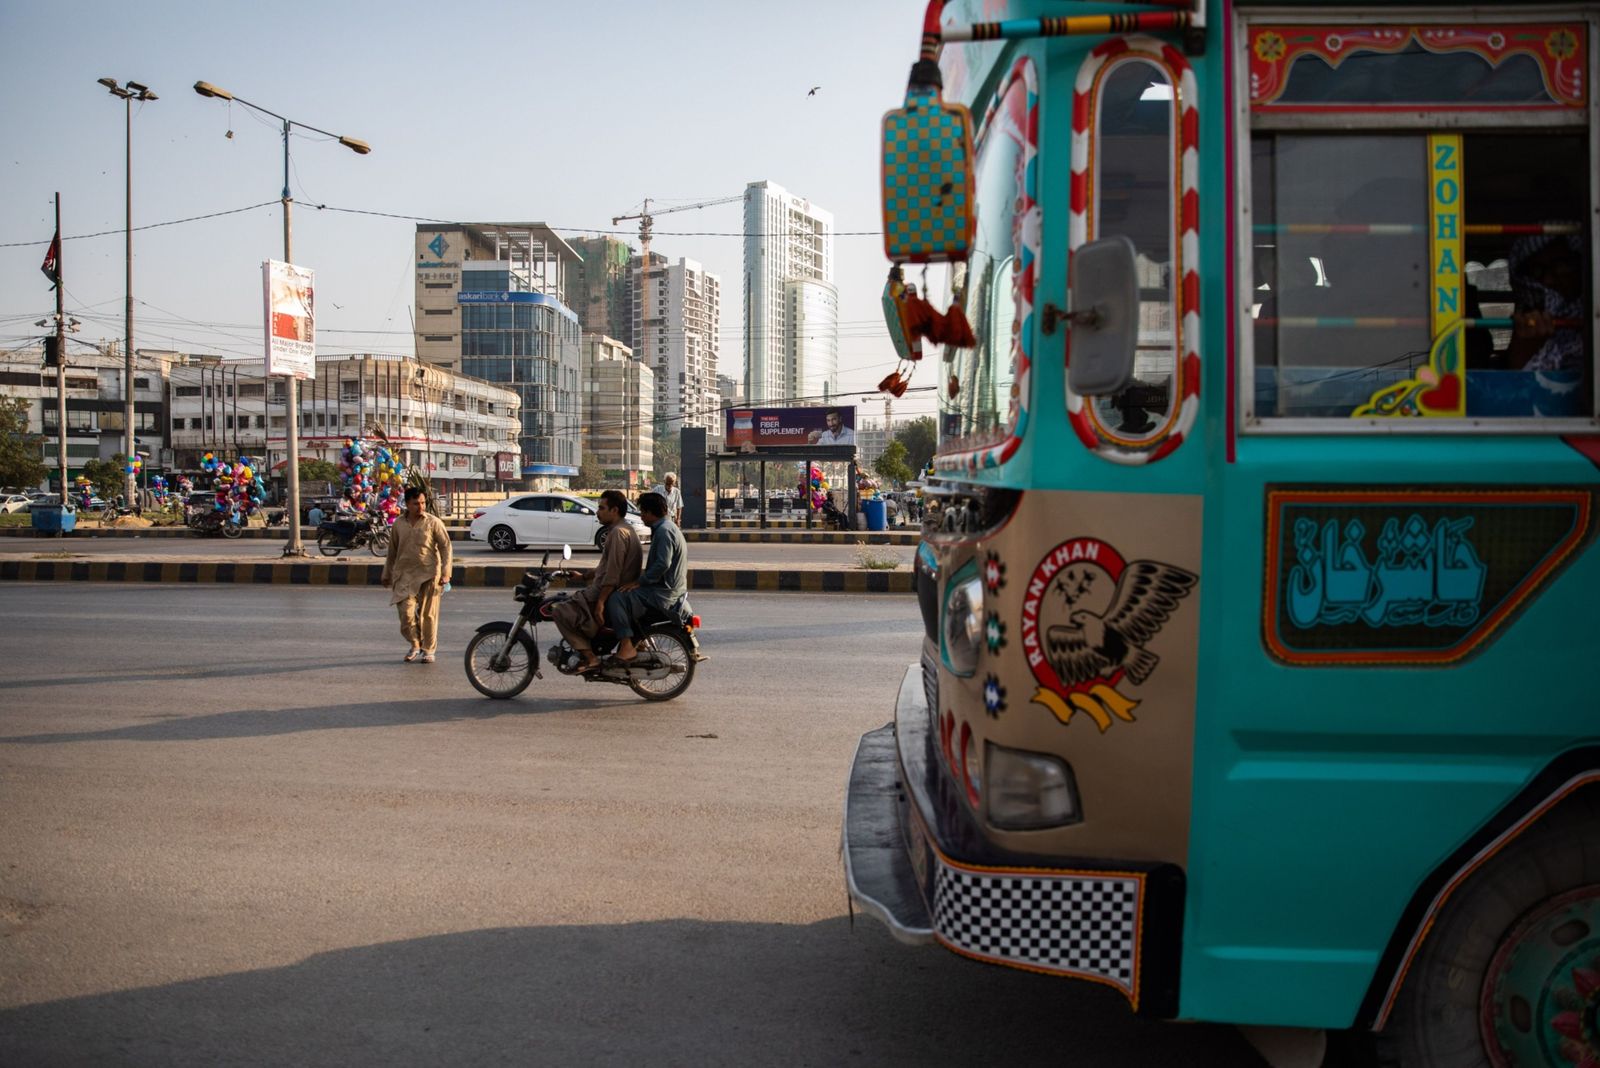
{"x":505,"y":466}
{"x":756,"y":428}
{"x":291,"y":320}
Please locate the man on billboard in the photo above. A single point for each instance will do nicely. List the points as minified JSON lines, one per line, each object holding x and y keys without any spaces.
{"x":836,"y":434}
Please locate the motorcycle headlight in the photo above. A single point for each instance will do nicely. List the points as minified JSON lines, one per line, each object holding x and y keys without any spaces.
{"x":963,"y":622}
{"x":1029,"y":791}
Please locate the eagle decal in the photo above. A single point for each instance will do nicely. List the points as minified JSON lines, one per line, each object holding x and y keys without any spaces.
{"x":1087,"y":621}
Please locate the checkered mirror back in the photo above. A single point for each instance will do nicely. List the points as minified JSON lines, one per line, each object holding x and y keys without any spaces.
{"x":928,"y":212}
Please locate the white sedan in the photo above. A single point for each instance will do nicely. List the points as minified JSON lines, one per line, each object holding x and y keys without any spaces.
{"x":543,"y":520}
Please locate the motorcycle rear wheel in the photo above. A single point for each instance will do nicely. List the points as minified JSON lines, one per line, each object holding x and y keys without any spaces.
{"x":673,"y":650}
{"x":481,"y":652}
{"x":231,"y":529}
{"x":328,"y":544}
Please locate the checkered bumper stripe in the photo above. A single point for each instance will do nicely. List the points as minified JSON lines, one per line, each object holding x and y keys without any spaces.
{"x":1073,"y":924}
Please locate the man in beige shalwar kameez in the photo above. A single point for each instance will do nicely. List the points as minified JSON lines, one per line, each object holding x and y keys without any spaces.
{"x":578,"y":618}
{"x":417,"y":567}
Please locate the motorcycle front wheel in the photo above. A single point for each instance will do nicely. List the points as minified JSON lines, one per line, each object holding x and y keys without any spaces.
{"x":231,"y":529}
{"x":328,"y":543}
{"x":379,"y":544}
{"x":485,"y":648}
{"x":670,"y":651}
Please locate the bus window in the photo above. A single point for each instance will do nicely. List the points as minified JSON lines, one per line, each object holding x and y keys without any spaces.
{"x":1397,"y":271}
{"x":983,"y":406}
{"x":1133,"y":196}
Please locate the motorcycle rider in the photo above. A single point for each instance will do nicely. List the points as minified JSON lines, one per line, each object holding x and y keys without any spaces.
{"x":662,"y":585}
{"x":579,"y":617}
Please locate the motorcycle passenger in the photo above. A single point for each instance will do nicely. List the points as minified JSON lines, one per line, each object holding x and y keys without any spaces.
{"x":662,"y":585}
{"x":579,"y":617}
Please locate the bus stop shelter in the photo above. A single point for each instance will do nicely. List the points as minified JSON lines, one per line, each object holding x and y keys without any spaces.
{"x":787,"y":456}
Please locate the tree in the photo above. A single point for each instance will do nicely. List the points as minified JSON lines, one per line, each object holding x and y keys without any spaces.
{"x":314,"y":470}
{"x":20,"y":462}
{"x":108,"y":477}
{"x":668,"y":455}
{"x":891,"y":465}
{"x":590,"y":474}
{"x":920,"y":438}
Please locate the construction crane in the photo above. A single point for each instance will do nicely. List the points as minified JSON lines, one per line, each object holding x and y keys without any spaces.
{"x":647,"y":220}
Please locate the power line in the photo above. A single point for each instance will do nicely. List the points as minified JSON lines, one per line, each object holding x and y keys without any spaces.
{"x":586,"y":229}
{"x":147,"y":226}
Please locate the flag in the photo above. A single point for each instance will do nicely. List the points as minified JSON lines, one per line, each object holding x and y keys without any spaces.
{"x":52,"y":261}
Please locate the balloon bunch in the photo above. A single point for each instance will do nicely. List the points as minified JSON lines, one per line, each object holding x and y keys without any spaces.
{"x":158,"y":489}
{"x":185,"y":486}
{"x":134,"y":465}
{"x":239,"y":488}
{"x":374,"y":477}
{"x":817,"y":484}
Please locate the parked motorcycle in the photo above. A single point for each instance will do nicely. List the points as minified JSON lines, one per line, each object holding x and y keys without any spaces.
{"x":503,"y":658}
{"x":334,"y":536}
{"x":211,"y":522}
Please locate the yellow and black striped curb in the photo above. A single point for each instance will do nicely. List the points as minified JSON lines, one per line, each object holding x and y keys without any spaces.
{"x":336,"y":573}
{"x":805,"y":537}
{"x":308,"y":534}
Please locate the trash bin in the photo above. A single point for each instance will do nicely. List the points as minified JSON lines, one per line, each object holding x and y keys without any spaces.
{"x":53,"y":519}
{"x":877,"y":514}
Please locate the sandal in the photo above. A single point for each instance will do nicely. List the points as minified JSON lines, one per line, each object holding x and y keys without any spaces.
{"x":412,"y":655}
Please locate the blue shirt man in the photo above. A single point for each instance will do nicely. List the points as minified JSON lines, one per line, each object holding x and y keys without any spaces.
{"x":314,"y":517}
{"x":663,"y":583}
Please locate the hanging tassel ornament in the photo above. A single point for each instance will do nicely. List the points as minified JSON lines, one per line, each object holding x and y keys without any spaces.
{"x":910,"y":319}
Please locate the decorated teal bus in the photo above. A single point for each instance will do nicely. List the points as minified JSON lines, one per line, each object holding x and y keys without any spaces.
{"x":1261,"y":675}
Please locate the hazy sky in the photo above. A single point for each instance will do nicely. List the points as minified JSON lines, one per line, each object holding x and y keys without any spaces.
{"x":569,"y":113}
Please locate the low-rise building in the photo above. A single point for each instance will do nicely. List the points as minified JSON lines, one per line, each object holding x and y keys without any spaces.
{"x":96,"y":410}
{"x":461,"y":431}
{"x":619,"y":402}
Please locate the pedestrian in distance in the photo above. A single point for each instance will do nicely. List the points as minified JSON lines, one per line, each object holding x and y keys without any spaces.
{"x":416,"y":572}
{"x":579,"y":617}
{"x":674,"y":498}
{"x":314,"y":517}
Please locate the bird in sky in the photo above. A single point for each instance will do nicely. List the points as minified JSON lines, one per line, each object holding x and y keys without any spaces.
{"x":814,"y":89}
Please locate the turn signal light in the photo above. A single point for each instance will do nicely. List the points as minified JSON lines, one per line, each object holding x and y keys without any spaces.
{"x":1029,"y":791}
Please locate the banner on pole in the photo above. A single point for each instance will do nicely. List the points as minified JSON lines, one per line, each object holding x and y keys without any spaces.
{"x":291,"y":323}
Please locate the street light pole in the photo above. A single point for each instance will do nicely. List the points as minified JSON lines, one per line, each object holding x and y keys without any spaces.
{"x":295,"y":547}
{"x":128,"y":92}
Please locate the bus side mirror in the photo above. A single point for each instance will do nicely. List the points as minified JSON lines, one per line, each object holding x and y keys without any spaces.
{"x":1104,"y":317}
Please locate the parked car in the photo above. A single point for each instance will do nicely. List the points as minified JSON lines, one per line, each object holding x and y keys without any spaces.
{"x":545,"y":520}
{"x":14,"y":502}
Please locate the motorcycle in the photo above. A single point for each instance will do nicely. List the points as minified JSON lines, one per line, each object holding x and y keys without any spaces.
{"x":503,"y":658}
{"x":336,"y":535}
{"x":211,"y":522}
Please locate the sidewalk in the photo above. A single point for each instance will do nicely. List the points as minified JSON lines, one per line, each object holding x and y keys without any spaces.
{"x":309,"y":535}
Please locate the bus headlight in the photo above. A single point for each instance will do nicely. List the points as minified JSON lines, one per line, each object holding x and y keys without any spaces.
{"x":963,"y":624}
{"x":1028,"y":791}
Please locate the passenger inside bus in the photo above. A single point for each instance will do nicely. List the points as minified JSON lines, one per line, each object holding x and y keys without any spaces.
{"x":1341,"y":304}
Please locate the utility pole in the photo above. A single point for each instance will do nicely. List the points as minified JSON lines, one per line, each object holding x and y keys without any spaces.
{"x":61,"y":363}
{"x":128,"y":93}
{"x":295,"y":546}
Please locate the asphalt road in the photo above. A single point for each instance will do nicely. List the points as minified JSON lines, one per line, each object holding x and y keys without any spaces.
{"x":235,"y":829}
{"x":701,"y":554}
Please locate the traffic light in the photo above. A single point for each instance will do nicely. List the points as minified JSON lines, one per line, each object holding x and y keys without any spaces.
{"x":52,"y":351}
